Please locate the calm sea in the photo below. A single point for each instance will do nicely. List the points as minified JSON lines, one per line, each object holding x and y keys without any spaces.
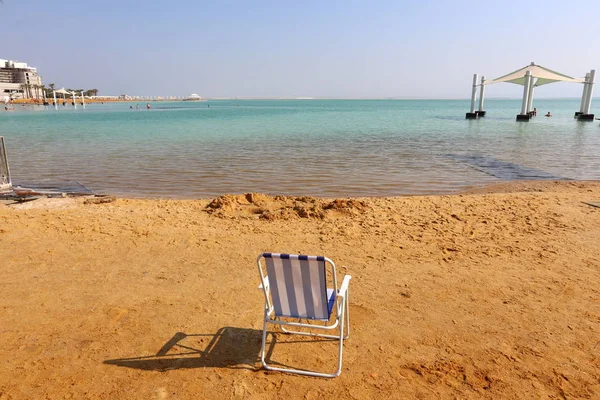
{"x":297,"y":147}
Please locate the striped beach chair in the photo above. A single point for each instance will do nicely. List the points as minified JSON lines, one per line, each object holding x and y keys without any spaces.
{"x":295,"y":288}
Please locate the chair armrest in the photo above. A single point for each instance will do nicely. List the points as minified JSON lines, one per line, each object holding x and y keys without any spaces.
{"x":266,"y":283}
{"x":344,"y":288}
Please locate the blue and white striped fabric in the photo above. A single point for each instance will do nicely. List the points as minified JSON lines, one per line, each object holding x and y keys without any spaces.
{"x":299,"y":286}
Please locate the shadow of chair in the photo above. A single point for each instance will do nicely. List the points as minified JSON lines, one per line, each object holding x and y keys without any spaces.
{"x":229,"y":347}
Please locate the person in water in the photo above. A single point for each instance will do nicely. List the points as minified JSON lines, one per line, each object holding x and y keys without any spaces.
{"x":148,"y":106}
{"x":548,"y":115}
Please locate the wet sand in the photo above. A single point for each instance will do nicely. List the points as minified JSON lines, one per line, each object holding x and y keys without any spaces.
{"x":492,"y":294}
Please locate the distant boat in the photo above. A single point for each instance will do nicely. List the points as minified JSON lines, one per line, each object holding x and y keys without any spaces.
{"x":193,"y":97}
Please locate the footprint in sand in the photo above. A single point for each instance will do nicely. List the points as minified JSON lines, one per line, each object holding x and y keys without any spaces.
{"x":360,"y":313}
{"x":161,"y":393}
{"x":117,"y":314}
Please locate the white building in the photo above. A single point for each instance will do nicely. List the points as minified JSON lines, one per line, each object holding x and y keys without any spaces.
{"x":18,"y":80}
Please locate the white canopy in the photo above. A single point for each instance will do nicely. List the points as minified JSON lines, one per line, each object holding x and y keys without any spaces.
{"x":62,"y":91}
{"x":543,"y":75}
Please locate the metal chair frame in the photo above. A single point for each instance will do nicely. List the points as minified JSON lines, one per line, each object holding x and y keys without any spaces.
{"x":5,"y":182}
{"x":341,"y":321}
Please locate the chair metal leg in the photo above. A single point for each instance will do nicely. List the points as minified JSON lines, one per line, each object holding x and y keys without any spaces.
{"x":264,"y":340}
{"x":330,"y":327}
{"x":347,"y":307}
{"x":321,"y":335}
{"x":341,"y":349}
{"x":340,"y":337}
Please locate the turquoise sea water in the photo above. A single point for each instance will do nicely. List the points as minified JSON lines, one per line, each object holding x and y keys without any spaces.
{"x":297,"y":147}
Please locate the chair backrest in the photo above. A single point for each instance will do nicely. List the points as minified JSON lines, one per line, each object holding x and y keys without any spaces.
{"x":298,"y":285}
{"x":5,"y":183}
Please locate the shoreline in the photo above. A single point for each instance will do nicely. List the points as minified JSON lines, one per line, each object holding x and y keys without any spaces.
{"x":480,"y":295}
{"x":514,"y":186}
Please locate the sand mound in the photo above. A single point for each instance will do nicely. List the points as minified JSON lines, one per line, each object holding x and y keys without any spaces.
{"x":256,"y":205}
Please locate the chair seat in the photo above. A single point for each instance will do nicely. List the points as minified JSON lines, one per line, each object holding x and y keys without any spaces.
{"x":330,"y":302}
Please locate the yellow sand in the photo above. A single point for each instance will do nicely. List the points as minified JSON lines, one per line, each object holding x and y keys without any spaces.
{"x":486,"y":295}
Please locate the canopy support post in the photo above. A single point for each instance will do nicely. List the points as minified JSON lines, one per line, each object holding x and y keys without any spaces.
{"x":473,"y":114}
{"x":530,"y":96}
{"x":583,"y":95}
{"x":82,"y":99}
{"x":586,"y":116}
{"x":55,"y":105}
{"x":524,"y":115}
{"x":480,"y":112}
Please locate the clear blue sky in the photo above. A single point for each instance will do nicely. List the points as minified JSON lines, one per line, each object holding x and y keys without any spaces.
{"x":324,"y":48}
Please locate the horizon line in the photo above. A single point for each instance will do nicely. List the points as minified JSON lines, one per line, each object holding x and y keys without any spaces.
{"x":166,"y":98}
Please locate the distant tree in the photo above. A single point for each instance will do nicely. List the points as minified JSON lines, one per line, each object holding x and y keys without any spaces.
{"x":90,"y":92}
{"x":23,"y":87}
{"x":37,"y":90}
{"x":51,"y":87}
{"x":26,"y":88}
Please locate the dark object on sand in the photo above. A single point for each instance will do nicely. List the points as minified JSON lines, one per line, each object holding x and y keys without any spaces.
{"x":101,"y":199}
{"x":18,"y":199}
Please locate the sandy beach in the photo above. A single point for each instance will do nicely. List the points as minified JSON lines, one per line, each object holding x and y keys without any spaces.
{"x":491,"y":294}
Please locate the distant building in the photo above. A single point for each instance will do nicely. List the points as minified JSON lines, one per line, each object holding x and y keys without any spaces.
{"x":193,"y":97}
{"x":18,"y":80}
